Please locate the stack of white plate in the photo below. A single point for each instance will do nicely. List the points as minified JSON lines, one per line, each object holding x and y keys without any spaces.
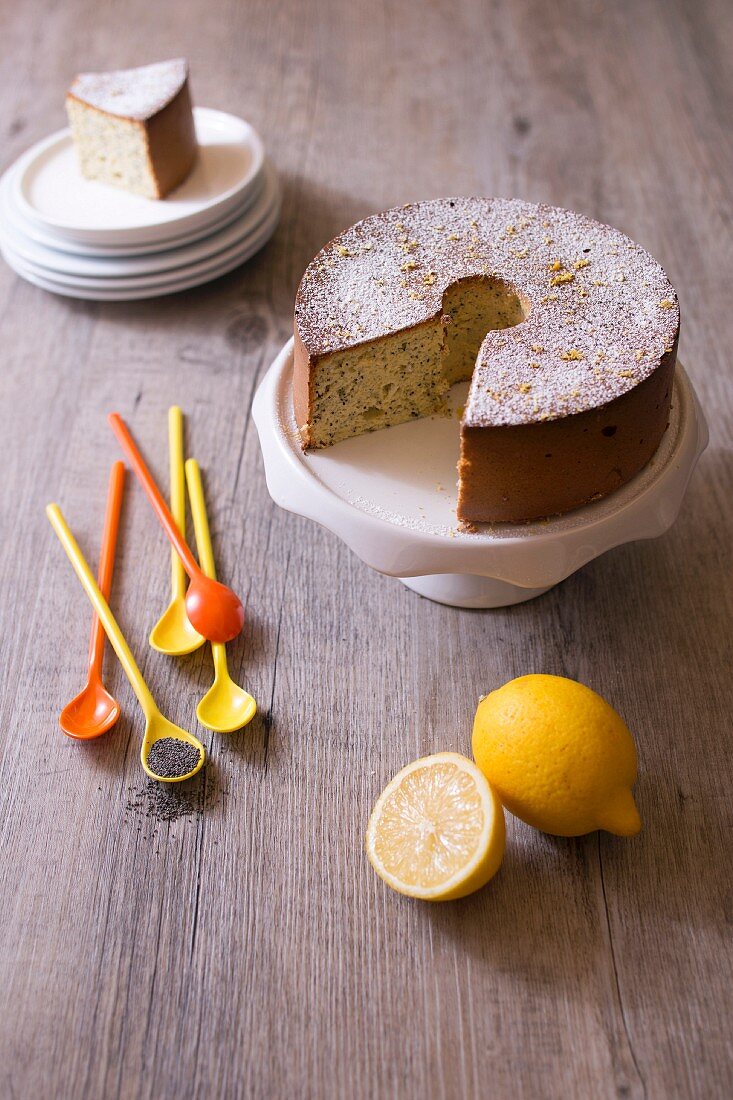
{"x":86,"y":240}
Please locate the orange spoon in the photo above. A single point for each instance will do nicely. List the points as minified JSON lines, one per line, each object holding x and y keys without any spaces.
{"x":93,"y":711}
{"x":212,"y":608}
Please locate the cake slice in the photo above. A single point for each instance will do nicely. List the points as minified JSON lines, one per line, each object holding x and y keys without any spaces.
{"x":133,"y":128}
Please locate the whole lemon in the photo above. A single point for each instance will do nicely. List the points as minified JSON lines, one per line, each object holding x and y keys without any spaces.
{"x":558,"y":756}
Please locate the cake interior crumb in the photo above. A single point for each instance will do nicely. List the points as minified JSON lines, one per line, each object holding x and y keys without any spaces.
{"x":407,"y":375}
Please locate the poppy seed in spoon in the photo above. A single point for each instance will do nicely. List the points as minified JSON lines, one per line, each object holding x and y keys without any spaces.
{"x":170,"y":757}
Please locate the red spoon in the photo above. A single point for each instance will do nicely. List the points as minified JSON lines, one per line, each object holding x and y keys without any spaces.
{"x":212,"y":608}
{"x":94,"y":711}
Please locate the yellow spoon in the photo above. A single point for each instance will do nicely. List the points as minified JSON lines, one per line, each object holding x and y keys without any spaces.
{"x":157,"y":728}
{"x":226,"y":706}
{"x":173,"y":633}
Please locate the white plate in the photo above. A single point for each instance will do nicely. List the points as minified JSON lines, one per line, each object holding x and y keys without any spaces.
{"x":252,"y":245}
{"x":391,"y":497}
{"x":12,"y":221}
{"x":267,"y":221}
{"x":79,"y":270}
{"x":49,"y":189}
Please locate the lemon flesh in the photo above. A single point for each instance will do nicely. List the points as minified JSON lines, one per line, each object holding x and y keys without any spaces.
{"x":437,"y":830}
{"x":558,"y":756}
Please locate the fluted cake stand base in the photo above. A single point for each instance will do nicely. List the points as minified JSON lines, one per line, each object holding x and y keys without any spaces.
{"x":391,"y":497}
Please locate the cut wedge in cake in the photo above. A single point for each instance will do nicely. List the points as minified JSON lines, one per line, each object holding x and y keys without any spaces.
{"x":566,"y":329}
{"x":134,"y":128}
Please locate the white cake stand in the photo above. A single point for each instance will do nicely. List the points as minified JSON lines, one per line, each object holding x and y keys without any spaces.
{"x":391,"y":497}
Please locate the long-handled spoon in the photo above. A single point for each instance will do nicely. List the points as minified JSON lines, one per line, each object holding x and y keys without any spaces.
{"x":226,"y":706}
{"x":94,"y":711}
{"x":213,"y":609}
{"x":173,"y":633}
{"x":157,"y":727}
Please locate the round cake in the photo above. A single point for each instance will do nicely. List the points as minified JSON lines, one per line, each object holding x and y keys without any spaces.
{"x":566,"y":328}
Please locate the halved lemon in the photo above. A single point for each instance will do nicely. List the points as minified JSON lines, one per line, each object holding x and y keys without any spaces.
{"x":437,"y":830}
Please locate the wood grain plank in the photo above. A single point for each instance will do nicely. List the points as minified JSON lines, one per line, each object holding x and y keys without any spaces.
{"x":246,"y":948}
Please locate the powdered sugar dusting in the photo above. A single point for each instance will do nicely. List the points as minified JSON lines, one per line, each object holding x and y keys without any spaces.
{"x":132,"y":93}
{"x":601,"y":312}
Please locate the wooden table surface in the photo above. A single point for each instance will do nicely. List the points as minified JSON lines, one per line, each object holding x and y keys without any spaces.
{"x":237,"y":943}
